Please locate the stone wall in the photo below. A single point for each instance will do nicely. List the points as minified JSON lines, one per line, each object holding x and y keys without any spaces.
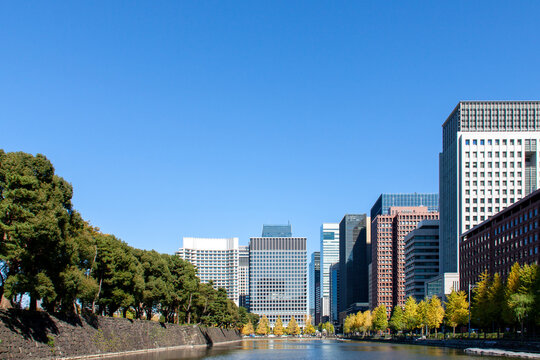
{"x":33,"y":335}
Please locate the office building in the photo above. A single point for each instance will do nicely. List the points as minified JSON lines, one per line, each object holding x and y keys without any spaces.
{"x":329,"y":256}
{"x":388,"y":256}
{"x":386,"y":201}
{"x":277,"y":230}
{"x":334,"y":293}
{"x":354,"y":258}
{"x":507,"y":237}
{"x":315,"y":287}
{"x":421,"y":257}
{"x":488,"y":162}
{"x":216,"y":260}
{"x":243,"y":276}
{"x":278,"y":278}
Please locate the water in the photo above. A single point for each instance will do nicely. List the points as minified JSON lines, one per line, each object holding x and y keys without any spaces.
{"x":285,"y":349}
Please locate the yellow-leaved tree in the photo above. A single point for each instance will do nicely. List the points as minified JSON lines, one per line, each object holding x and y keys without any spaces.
{"x":278,"y":328}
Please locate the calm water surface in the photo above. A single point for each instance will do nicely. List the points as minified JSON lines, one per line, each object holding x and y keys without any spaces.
{"x":282,"y":349}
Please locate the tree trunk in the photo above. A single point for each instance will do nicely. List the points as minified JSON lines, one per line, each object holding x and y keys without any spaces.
{"x":97,"y":296}
{"x":33,"y":303}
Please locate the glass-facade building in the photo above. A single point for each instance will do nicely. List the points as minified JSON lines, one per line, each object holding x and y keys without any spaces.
{"x":334,"y":293}
{"x":315,"y":287}
{"x":278,"y":278}
{"x":329,"y":256}
{"x":277,"y":230}
{"x":386,"y":201}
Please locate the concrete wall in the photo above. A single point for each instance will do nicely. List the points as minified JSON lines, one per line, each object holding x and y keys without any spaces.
{"x":32,"y":335}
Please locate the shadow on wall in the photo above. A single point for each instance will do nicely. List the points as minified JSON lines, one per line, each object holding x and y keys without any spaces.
{"x":32,"y":325}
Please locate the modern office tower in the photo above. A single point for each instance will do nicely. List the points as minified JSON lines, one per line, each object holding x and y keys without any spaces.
{"x":334,"y":293}
{"x":507,"y":237}
{"x":277,"y":278}
{"x":421,"y":257}
{"x":354,"y":258}
{"x":277,"y":230}
{"x":489,"y":161}
{"x":315,"y":287}
{"x":386,"y":201}
{"x":216,"y":260}
{"x":243,"y":276}
{"x":329,"y":256}
{"x":388,"y":257}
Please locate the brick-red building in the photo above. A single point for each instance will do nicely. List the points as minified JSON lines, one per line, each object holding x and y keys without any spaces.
{"x":507,"y":237}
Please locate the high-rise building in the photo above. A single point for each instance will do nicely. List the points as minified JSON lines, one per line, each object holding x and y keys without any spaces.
{"x":334,"y":293}
{"x":388,"y":257}
{"x":243,"y":276}
{"x":496,"y":244}
{"x":277,"y":230}
{"x":489,"y":160}
{"x":216,"y":260}
{"x":277,"y":278}
{"x":421,"y":257}
{"x":354,"y":258}
{"x":315,"y":287}
{"x":386,"y":201}
{"x":329,"y":256}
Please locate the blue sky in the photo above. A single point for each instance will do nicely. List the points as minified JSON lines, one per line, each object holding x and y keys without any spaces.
{"x":210,"y":118}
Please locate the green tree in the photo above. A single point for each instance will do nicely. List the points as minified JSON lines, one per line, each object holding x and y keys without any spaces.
{"x":397,"y":320}
{"x":263,"y":328}
{"x":457,"y":309}
{"x":513,"y":284}
{"x":435,"y":313}
{"x":480,"y":301}
{"x":410,"y":314}
{"x":328,"y":328}
{"x":278,"y":328}
{"x":496,"y":301}
{"x":422,"y":321}
{"x":521,"y":305}
{"x":380,"y":318}
{"x":292,"y":327}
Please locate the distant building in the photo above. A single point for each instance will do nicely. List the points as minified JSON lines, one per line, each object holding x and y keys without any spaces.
{"x":329,"y":256}
{"x":277,"y":278}
{"x":489,"y":160}
{"x":354,"y":258}
{"x":388,"y":256}
{"x":315,"y":287}
{"x":386,"y":201}
{"x":243,"y":276}
{"x":442,"y":285}
{"x":216,"y":260}
{"x":507,"y":237}
{"x":277,"y":230}
{"x":334,"y":293}
{"x":421,"y":257}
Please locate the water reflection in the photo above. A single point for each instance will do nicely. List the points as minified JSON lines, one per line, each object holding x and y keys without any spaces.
{"x":285,"y":349}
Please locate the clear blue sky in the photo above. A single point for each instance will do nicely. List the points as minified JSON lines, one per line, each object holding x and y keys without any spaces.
{"x":199,"y":118}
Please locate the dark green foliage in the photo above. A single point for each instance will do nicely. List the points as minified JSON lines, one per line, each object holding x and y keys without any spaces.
{"x":50,"y":253}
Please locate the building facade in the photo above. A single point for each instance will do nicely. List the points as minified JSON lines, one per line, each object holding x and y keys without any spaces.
{"x":334,"y":294}
{"x":507,"y":237}
{"x":315,"y":287}
{"x":216,"y":260}
{"x":488,"y":161}
{"x":277,"y":230}
{"x":277,"y":278}
{"x":388,"y":252}
{"x":354,"y":258}
{"x":421,"y":257}
{"x":386,"y":201}
{"x":329,"y":256}
{"x":243,"y":276}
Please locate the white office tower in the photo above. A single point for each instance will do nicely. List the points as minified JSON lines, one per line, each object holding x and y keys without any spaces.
{"x":329,"y":256}
{"x":216,"y":260}
{"x":489,"y":161}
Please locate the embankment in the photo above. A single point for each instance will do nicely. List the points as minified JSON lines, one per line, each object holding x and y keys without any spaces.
{"x":38,"y":335}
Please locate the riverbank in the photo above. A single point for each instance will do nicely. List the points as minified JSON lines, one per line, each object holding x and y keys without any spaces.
{"x":38,"y":335}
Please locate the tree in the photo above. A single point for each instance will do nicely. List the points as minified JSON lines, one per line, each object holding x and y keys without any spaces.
{"x":358,"y":322}
{"x":263,"y":327}
{"x":368,"y":322}
{"x":349,"y":324}
{"x":278,"y":328}
{"x":292,"y":327}
{"x":247,"y":329}
{"x":328,"y":328}
{"x":521,"y":305}
{"x":512,"y":287}
{"x":422,"y":315}
{"x":309,"y":329}
{"x":435,"y":313}
{"x":397,"y":320}
{"x":410,"y":314}
{"x":496,"y":301}
{"x":457,"y":309}
{"x":380,"y":318}
{"x":480,"y":301}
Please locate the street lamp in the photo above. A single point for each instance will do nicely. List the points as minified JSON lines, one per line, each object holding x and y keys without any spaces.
{"x":471,"y":286}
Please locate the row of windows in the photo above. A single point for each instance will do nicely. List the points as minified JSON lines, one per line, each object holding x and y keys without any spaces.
{"x":491,"y":142}
{"x":498,"y":164}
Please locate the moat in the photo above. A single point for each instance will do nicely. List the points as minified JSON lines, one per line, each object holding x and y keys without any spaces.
{"x":285,"y":349}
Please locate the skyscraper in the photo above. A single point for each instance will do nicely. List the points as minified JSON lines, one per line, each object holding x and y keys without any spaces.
{"x":354,"y":258}
{"x":334,"y":293}
{"x":243,"y":276}
{"x":277,"y":230}
{"x":315,"y":287}
{"x":489,"y":161}
{"x":216,"y":260}
{"x":277,"y":278}
{"x":329,"y":256}
{"x":385,"y":201}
